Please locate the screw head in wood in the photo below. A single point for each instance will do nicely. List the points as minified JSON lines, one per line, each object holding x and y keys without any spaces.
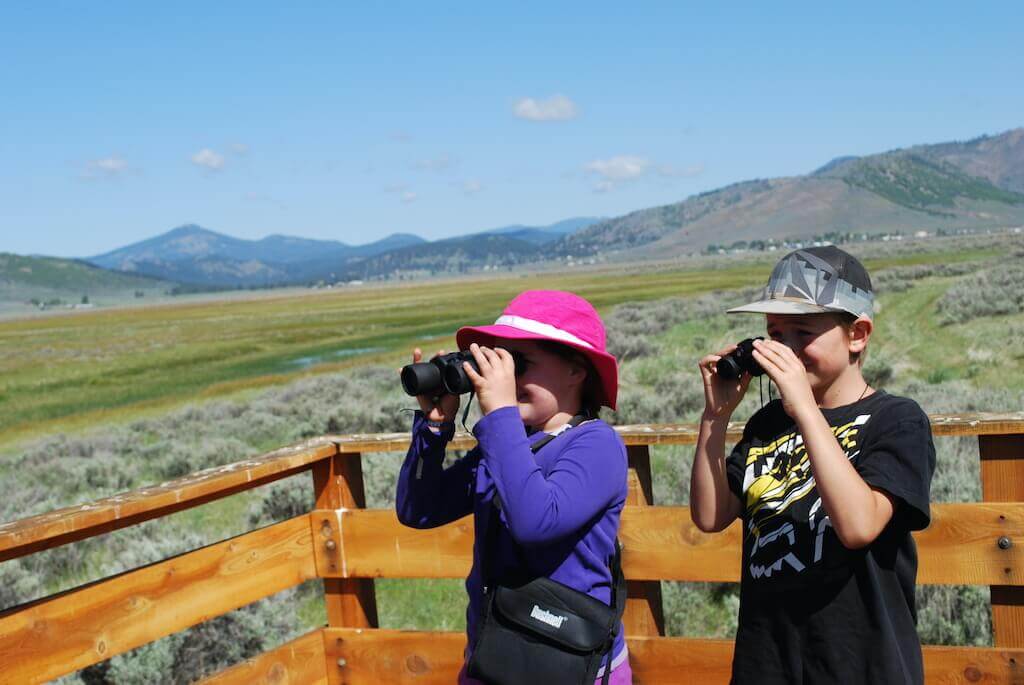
{"x":330,"y":545}
{"x":1004,"y":542}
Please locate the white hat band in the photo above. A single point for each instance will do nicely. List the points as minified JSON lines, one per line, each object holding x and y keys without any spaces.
{"x":540,"y":328}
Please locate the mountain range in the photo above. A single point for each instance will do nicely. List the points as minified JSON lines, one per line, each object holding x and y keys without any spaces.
{"x":974,"y":184}
{"x":960,"y":185}
{"x":198,"y":256}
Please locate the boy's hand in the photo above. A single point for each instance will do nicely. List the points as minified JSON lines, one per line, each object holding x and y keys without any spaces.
{"x":495,"y":385}
{"x":789,"y":375}
{"x":441,"y":409}
{"x":720,"y":395}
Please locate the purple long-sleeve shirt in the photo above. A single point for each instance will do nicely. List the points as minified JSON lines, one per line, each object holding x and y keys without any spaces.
{"x":561,"y":505}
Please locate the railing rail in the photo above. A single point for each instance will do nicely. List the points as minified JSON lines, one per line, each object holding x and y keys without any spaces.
{"x":347,"y":546}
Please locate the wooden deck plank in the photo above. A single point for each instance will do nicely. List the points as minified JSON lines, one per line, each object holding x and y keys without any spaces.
{"x":961,"y":546}
{"x":36,"y":533}
{"x":299,"y":662}
{"x":68,"y":632}
{"x":425,"y":658}
{"x":25,"y":536}
{"x":980,"y":423}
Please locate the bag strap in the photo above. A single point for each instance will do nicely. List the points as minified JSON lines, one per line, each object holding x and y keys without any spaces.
{"x":618,"y":589}
{"x":618,"y":597}
{"x":491,"y":536}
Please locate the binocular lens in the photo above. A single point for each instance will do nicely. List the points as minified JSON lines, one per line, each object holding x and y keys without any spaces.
{"x":423,"y":378}
{"x":740,"y":360}
{"x":456,"y":382}
{"x":445,"y":374}
{"x":728,"y":368}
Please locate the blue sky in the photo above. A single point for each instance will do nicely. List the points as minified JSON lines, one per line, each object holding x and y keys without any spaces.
{"x":119,"y":121}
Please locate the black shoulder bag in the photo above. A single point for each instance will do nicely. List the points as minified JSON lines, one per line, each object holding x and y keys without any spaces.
{"x":542,"y":631}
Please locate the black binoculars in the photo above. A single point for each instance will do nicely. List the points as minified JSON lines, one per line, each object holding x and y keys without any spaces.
{"x":740,"y":360}
{"x":444,"y":375}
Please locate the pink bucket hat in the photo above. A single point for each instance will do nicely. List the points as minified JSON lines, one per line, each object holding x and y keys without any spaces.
{"x":557,"y":316}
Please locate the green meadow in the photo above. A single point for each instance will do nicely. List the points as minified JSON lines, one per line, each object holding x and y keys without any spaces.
{"x":112,"y":400}
{"x":78,"y":371}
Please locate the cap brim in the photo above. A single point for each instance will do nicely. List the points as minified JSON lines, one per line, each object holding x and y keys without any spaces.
{"x":605,"y":365}
{"x":780,"y":307}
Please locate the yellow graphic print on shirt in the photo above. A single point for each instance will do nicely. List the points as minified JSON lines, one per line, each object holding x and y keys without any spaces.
{"x":785,"y":521}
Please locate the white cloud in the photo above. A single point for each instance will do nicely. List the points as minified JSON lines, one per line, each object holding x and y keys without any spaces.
{"x":239,"y":148}
{"x":106,"y":167}
{"x":555,"y":108}
{"x":408,"y":196}
{"x":209,"y":159}
{"x":612,"y":172}
{"x":620,"y":168}
{"x":472,"y":187}
{"x":438,"y":164}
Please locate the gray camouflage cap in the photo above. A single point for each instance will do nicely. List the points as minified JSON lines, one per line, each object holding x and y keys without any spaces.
{"x":816,"y":280}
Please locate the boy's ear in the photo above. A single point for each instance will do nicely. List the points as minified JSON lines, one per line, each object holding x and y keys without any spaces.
{"x":860,"y":333}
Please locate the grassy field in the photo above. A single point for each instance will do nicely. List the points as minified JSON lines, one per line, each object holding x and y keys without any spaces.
{"x":225,"y":380}
{"x":76,"y":371}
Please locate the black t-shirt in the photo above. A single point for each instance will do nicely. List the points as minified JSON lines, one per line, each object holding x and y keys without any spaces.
{"x":811,"y":610}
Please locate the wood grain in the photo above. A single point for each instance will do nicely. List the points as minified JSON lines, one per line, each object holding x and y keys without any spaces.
{"x":644,"y":614}
{"x":62,"y":634}
{"x":62,"y":526}
{"x":960,"y":547}
{"x":299,"y":662}
{"x":981,"y":423}
{"x":1002,"y":480}
{"x":425,"y":658}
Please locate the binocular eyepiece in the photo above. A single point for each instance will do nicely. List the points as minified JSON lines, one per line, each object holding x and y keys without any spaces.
{"x":740,"y":360}
{"x":444,"y":375}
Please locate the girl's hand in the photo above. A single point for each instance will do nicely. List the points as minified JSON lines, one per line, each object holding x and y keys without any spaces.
{"x":789,"y":375}
{"x":495,"y":385}
{"x":720,"y":395}
{"x":441,"y":409}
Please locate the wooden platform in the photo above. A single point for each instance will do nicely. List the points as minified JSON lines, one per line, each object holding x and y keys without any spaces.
{"x":347,"y":546}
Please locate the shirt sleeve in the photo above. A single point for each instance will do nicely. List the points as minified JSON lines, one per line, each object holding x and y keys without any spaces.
{"x":736,"y":466}
{"x":736,"y":462}
{"x":898,"y":457}
{"x":587,"y":476}
{"x":429,"y":495}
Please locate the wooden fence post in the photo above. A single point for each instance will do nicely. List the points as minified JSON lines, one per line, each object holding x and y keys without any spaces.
{"x":338,"y":483}
{"x":1002,"y":480}
{"x":644,"y":614}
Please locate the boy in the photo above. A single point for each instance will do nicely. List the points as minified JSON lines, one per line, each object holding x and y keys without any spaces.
{"x":829,"y":481}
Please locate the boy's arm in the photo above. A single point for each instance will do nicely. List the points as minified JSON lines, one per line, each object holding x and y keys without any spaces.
{"x":713,"y":506}
{"x":857,"y":511}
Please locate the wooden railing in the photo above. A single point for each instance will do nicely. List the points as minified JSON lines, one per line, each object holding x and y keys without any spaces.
{"x":347,"y":546}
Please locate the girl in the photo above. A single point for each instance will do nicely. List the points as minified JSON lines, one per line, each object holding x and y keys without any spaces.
{"x":828,"y":481}
{"x":554,"y":513}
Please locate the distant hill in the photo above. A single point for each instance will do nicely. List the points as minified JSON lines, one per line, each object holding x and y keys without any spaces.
{"x":541,"y":235}
{"x":453,"y":255}
{"x":1000,"y":159}
{"x":192,"y":254}
{"x":950,"y":186}
{"x":50,"y":279}
{"x":920,"y":188}
{"x":66,"y":274}
{"x":201,"y":257}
